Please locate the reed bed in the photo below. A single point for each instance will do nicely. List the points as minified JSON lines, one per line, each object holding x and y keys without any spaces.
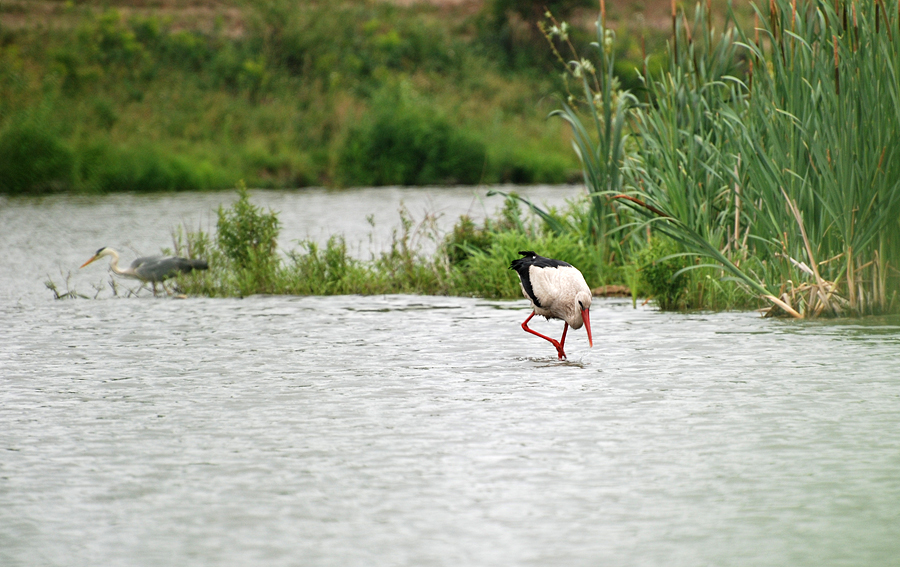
{"x":767,"y":155}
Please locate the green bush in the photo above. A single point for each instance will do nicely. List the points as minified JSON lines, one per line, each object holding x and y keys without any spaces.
{"x":33,"y":160}
{"x":658,"y":267}
{"x":146,"y":169}
{"x":526,"y":166}
{"x":247,"y":235}
{"x":465,"y":239}
{"x":487,"y":274}
{"x":405,"y":142}
{"x":325,"y":272}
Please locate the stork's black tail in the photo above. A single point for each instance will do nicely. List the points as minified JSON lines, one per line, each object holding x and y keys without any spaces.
{"x":530,"y":258}
{"x":522,"y":263}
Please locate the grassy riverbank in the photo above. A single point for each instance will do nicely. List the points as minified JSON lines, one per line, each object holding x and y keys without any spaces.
{"x":101,"y":96}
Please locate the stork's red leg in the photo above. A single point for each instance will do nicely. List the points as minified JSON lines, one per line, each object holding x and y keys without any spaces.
{"x":554,"y":342}
{"x":562,"y":341}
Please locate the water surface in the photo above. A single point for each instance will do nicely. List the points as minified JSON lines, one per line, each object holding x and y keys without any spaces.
{"x":407,"y":430}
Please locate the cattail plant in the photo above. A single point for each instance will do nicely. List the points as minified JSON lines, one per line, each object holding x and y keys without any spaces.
{"x":805,"y":166}
{"x":600,"y":146}
{"x":821,"y":145}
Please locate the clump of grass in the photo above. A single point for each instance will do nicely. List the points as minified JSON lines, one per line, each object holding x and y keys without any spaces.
{"x":246,"y":234}
{"x":329,"y":271}
{"x":479,"y":265}
{"x":661,"y":268}
{"x":33,"y":158}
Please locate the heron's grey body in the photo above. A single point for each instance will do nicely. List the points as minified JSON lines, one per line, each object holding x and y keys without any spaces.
{"x":159,"y":268}
{"x":150,"y":269}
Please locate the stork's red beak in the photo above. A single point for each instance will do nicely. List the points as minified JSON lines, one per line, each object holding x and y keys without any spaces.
{"x":586,"y":317}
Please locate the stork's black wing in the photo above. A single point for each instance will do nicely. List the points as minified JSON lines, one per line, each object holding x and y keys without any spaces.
{"x":523,"y":265}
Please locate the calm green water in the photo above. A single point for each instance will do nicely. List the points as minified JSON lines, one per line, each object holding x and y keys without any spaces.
{"x":404,"y":430}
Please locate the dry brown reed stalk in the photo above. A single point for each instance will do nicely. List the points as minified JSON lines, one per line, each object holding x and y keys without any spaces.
{"x":674,"y":30}
{"x":784,"y":304}
{"x":837,"y":72}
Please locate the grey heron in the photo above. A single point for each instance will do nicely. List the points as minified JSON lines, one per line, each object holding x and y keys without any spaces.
{"x":150,"y":269}
{"x":557,"y":290}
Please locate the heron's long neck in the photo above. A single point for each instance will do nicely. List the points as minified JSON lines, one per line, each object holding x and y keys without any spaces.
{"x":114,"y":264}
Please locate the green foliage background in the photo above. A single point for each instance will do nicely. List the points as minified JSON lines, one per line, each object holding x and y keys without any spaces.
{"x":101,"y":96}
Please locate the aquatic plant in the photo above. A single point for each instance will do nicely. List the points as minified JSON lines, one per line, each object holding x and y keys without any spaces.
{"x":661,"y":271}
{"x":237,"y":267}
{"x":246,"y":234}
{"x":769,"y":158}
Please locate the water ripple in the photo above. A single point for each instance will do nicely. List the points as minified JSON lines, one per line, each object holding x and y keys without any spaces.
{"x":406,"y":430}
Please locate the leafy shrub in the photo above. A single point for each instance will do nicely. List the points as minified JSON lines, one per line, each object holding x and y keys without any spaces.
{"x":108,"y":40}
{"x":487,"y":274}
{"x":465,"y":238}
{"x":247,"y":235}
{"x":521,"y":166}
{"x":147,"y":169}
{"x":406,"y":143}
{"x":33,"y":160}
{"x":659,"y":272}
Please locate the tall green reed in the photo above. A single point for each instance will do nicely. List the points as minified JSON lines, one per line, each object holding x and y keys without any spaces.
{"x":600,"y":147}
{"x":821,"y":151}
{"x":783,"y":172}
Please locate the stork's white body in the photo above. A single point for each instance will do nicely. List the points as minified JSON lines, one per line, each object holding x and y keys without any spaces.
{"x":557,"y":290}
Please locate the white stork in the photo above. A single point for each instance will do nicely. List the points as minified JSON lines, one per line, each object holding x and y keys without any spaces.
{"x":557,"y":290}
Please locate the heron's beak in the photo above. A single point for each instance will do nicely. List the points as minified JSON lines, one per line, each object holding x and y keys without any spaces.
{"x":89,"y":261}
{"x":586,"y":317}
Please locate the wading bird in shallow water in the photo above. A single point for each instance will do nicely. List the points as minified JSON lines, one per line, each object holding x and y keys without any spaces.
{"x":557,"y":290}
{"x":153,"y":269}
